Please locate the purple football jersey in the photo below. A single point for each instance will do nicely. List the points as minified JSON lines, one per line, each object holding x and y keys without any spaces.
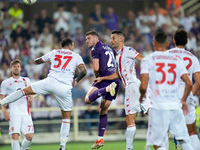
{"x":106,"y":56}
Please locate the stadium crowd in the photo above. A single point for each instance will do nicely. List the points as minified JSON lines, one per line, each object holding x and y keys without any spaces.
{"x":31,"y":39}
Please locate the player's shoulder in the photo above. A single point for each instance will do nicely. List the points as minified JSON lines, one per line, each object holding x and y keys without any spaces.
{"x":6,"y":81}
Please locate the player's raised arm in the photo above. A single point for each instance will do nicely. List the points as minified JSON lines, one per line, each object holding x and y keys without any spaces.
{"x":38,"y":61}
{"x":82,"y":69}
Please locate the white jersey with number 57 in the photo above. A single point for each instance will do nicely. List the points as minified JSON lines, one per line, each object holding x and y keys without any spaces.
{"x":63,"y":64}
{"x":165,"y":71}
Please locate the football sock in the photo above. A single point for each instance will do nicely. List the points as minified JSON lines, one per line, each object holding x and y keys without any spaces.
{"x":185,"y":145}
{"x":100,"y":137}
{"x":130,"y":134}
{"x":102,"y":124}
{"x":12,"y":97}
{"x":167,"y":142}
{"x":96,"y":94}
{"x":195,"y":142}
{"x":64,"y":132}
{"x":15,"y":145}
{"x":25,"y":144}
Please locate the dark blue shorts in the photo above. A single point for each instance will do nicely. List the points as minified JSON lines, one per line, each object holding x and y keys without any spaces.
{"x":105,"y":83}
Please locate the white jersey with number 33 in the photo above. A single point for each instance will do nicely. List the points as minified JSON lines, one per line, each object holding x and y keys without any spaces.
{"x":165,"y":71}
{"x":63,"y":64}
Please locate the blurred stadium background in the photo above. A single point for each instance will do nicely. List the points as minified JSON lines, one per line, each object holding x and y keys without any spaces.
{"x":36,"y":29}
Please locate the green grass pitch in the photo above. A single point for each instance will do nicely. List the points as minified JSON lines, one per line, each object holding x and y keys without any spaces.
{"x":119,"y":145}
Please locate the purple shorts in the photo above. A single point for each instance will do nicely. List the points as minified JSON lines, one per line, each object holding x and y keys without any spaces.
{"x":105,"y":83}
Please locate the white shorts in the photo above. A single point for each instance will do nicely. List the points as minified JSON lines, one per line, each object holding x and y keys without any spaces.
{"x":191,"y":116}
{"x":162,"y":121}
{"x":61,"y":91}
{"x":132,"y":95}
{"x":20,"y":123}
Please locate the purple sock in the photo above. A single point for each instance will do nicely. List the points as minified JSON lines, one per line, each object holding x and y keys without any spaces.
{"x":102,"y":124}
{"x":96,"y":94}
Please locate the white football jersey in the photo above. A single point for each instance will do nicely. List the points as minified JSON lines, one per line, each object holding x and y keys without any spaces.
{"x":11,"y":85}
{"x":165,"y":71}
{"x":63,"y":64}
{"x":125,"y":60}
{"x":189,"y":60}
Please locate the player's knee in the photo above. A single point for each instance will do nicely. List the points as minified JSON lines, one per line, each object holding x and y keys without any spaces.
{"x":87,"y":101}
{"x":29,"y":136}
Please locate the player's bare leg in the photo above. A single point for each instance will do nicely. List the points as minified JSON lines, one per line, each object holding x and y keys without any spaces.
{"x":130,"y":130}
{"x":102,"y":123}
{"x":15,"y":143}
{"x":27,"y":141}
{"x":193,"y":136}
{"x":17,"y":95}
{"x":65,"y":127}
{"x":92,"y":89}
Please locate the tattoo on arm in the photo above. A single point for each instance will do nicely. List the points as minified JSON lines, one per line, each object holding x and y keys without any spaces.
{"x":83,"y":71}
{"x":38,"y":61}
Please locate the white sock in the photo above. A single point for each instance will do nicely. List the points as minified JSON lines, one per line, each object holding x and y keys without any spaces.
{"x":186,"y":145}
{"x":162,"y":148}
{"x":130,"y":134}
{"x":100,"y":137}
{"x":167,"y":141}
{"x":12,"y":97}
{"x":15,"y":145}
{"x":26,"y":144}
{"x":195,"y":142}
{"x":64,"y":132}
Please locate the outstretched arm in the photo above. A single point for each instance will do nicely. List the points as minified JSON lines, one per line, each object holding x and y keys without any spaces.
{"x":38,"y":61}
{"x":110,"y":77}
{"x":139,"y":57}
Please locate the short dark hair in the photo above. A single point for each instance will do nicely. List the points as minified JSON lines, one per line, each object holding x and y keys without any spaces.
{"x":160,"y":37}
{"x":16,"y":61}
{"x":92,"y":33}
{"x":66,"y":42}
{"x":180,"y":37}
{"x":118,"y":32}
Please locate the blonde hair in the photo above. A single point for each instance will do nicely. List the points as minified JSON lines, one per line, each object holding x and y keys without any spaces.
{"x":16,"y":61}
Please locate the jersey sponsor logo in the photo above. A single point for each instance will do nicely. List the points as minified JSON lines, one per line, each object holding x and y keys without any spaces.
{"x":12,"y":128}
{"x":131,"y":49}
{"x":18,"y":89}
